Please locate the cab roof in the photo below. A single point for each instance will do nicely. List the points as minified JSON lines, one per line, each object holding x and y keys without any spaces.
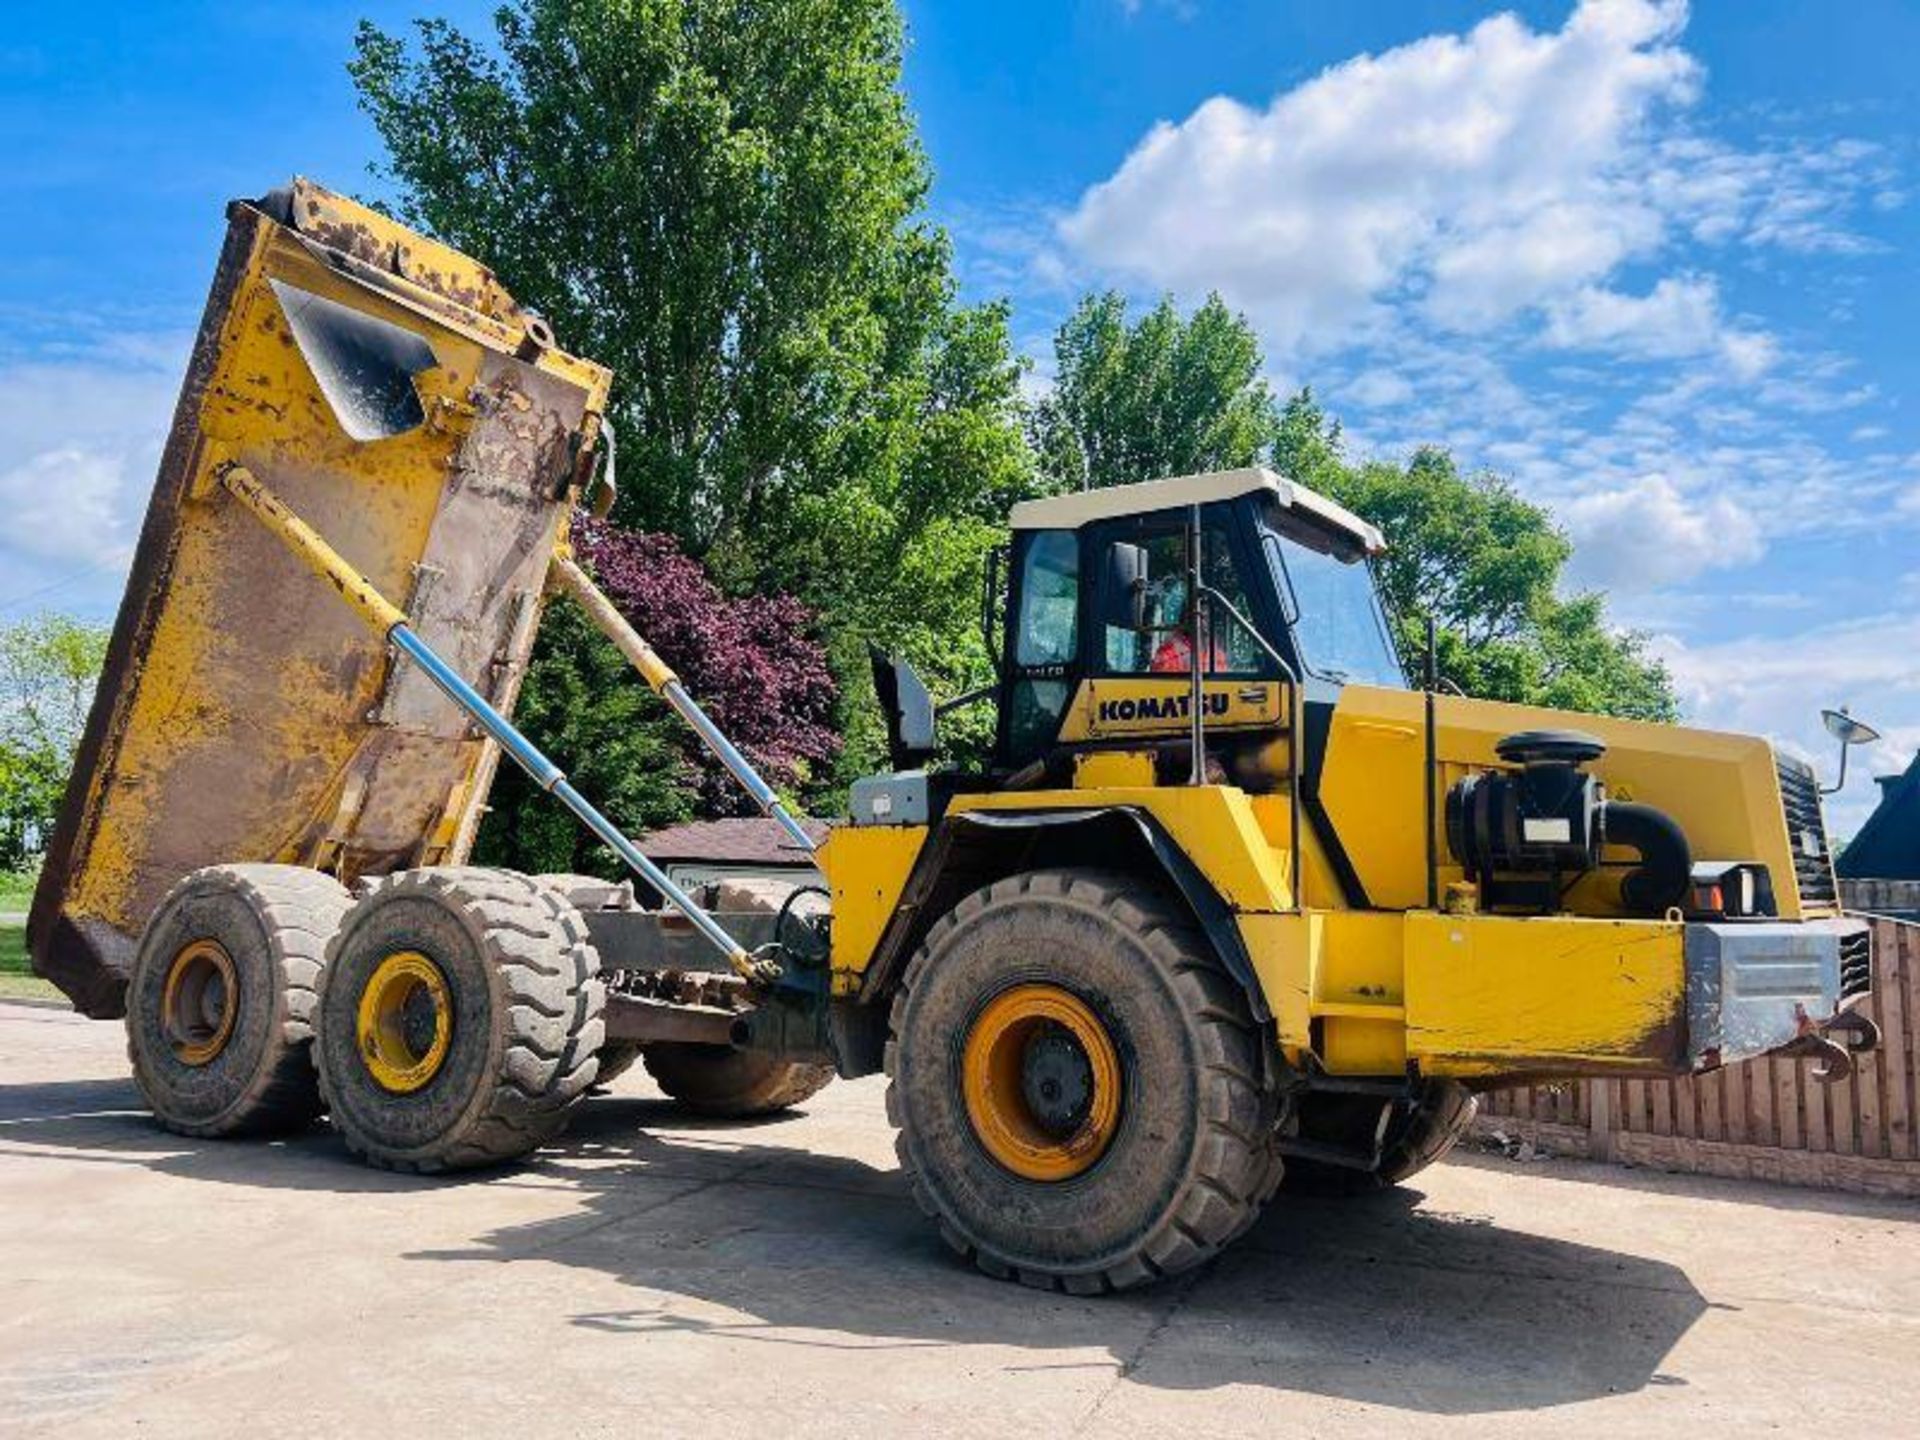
{"x":1071,"y":511}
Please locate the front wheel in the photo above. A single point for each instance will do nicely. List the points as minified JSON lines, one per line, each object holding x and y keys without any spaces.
{"x":1078,"y":1085}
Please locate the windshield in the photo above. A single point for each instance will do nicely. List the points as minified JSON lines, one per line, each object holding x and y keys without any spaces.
{"x":1336,"y":615}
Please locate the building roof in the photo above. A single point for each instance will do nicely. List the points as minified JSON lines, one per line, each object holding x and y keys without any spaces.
{"x":1888,"y":845}
{"x":1071,"y":511}
{"x":750,"y":841}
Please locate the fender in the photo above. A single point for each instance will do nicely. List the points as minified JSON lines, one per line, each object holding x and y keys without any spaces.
{"x":976,"y":847}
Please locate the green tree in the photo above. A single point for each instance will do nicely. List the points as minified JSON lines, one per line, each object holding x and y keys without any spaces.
{"x":1166,"y":396}
{"x":726,"y":205}
{"x":1162,"y":395}
{"x":619,"y":742}
{"x":48,"y":668}
{"x":1488,"y":566}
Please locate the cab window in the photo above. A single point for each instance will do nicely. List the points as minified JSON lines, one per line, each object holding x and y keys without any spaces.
{"x":1145,"y":610}
{"x":1049,"y":621}
{"x":1046,"y":641}
{"x":1338,"y":625}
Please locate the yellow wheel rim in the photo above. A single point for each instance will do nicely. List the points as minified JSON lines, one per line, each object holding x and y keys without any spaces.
{"x":405,"y":1023}
{"x":198,"y":1005}
{"x":1042,"y":1082}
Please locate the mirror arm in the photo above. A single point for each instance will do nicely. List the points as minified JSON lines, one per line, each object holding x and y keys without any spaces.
{"x":965,"y":698}
{"x":1841,"y":783}
{"x":989,"y":591}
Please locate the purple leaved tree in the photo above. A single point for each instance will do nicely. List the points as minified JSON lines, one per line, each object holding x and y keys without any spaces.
{"x":749,"y":661}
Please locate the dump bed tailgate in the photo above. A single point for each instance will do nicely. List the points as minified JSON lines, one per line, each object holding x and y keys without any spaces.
{"x":394,"y":395}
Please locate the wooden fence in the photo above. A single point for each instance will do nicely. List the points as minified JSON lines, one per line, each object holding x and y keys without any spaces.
{"x":1765,"y":1119}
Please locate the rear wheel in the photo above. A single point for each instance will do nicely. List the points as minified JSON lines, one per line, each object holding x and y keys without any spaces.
{"x":1078,"y":1085}
{"x":734,"y":1084}
{"x":221,"y":999}
{"x":1416,"y":1135}
{"x":616,"y":1058}
{"x":460,"y":1019}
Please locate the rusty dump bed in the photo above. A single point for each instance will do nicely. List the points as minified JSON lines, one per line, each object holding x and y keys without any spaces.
{"x":396,"y":397}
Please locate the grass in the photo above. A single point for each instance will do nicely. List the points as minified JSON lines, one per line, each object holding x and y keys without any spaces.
{"x":16,"y":890}
{"x":13,"y":950}
{"x":17,"y":981}
{"x":29,"y":987}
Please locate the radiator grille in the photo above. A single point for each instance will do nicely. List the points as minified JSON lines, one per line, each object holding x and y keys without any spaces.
{"x":1856,"y":964}
{"x":1806,"y":832}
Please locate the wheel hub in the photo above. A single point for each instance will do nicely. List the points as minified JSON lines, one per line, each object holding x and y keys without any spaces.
{"x":1042,"y":1082}
{"x":1056,"y":1080}
{"x":405,"y":1022}
{"x":199,"y":1002}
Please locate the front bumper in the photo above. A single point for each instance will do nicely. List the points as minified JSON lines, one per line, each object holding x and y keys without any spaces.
{"x":1757,"y":986}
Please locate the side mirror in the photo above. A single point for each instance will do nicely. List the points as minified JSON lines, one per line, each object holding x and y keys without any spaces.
{"x":1849,"y":732}
{"x":1123,"y":589}
{"x":908,"y":709}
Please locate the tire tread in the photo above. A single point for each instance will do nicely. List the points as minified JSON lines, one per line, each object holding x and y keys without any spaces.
{"x":300,"y":909}
{"x":1244,"y":1170}
{"x":534,"y":941}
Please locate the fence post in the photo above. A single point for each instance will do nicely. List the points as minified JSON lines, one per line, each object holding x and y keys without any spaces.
{"x":1599,"y":1119}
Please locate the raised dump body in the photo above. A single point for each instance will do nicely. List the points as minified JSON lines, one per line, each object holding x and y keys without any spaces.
{"x":395,"y":396}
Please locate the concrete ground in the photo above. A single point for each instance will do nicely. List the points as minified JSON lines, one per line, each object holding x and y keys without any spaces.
{"x":654,"y":1276}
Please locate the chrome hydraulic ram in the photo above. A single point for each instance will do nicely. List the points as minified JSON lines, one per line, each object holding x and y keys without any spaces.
{"x":657,"y":673}
{"x":384,"y":616}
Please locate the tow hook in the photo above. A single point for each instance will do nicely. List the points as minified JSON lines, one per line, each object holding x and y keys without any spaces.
{"x":1862,"y":1033}
{"x":1815,"y":1041}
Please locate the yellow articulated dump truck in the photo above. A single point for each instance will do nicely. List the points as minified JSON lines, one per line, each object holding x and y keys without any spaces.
{"x":1235,"y":909}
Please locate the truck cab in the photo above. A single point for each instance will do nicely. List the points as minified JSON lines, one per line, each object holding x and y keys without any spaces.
{"x":1100,"y":611}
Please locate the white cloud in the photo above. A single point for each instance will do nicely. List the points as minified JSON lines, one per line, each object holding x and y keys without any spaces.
{"x":1751,"y":456}
{"x":1776,"y":685}
{"x":1467,"y":182}
{"x":1378,"y":389}
{"x":1647,"y":535}
{"x":80,"y":439}
{"x":1179,"y":9}
{"x":1480,"y":170}
{"x":1679,"y":317}
{"x":63,"y":506}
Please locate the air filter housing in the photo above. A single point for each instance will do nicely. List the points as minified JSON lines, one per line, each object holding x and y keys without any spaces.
{"x":1542,"y":819}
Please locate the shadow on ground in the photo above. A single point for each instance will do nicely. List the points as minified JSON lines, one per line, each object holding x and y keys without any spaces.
{"x":724,"y":1231}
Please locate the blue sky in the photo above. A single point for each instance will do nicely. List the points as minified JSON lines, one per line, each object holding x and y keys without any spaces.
{"x":1652,"y":263}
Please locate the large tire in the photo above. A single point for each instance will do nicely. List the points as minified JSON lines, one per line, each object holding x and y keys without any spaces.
{"x":223,"y":1048}
{"x":481,"y":1065}
{"x":1079,"y":1087}
{"x":1417,"y":1135}
{"x":616,"y":1058}
{"x":732,"y":1084}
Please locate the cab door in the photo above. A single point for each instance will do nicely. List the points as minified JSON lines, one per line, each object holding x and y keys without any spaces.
{"x":1042,"y":646}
